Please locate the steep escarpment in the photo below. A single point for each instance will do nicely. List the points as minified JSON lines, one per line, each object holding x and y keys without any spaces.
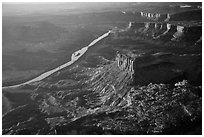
{"x":182,"y":16}
{"x":156,"y":16}
{"x":164,"y":32}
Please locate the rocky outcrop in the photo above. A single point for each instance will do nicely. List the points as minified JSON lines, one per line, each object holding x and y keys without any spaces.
{"x":179,"y":33}
{"x":166,"y":32}
{"x":168,"y":17}
{"x":156,"y":16}
{"x":182,"y":16}
{"x":153,"y":16}
{"x":168,"y":27}
{"x":159,"y":29}
{"x":125,"y":63}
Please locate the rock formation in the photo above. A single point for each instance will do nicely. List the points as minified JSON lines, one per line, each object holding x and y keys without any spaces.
{"x":152,"y":16}
{"x":163,"y":31}
{"x":168,"y":26}
{"x":156,"y":16}
{"x":182,"y":16}
{"x":179,"y":33}
{"x":125,"y":63}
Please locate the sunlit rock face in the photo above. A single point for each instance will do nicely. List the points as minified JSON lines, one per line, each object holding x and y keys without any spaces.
{"x":161,"y":28}
{"x":168,"y":34}
{"x":168,"y":17}
{"x":179,"y":33}
{"x":168,"y":27}
{"x":164,"y":32}
{"x":164,"y":17}
{"x":182,"y":16}
{"x":152,"y":16}
{"x":156,"y":16}
{"x":125,"y":63}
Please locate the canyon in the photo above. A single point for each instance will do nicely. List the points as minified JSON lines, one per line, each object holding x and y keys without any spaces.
{"x":143,"y":77}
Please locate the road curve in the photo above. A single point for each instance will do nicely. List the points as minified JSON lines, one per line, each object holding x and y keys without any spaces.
{"x":75,"y":56}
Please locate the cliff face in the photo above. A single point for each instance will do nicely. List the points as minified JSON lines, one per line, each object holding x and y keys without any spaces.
{"x":182,"y":16}
{"x":125,"y":63}
{"x":179,"y":33}
{"x":156,"y":16}
{"x":166,"y":32}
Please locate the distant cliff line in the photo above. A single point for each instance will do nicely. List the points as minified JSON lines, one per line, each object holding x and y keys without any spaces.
{"x":164,"y":31}
{"x":195,"y":14}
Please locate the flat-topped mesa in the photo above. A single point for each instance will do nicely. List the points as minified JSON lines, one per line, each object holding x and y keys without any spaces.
{"x":192,"y":15}
{"x":171,"y":31}
{"x":152,"y":16}
{"x":125,"y":63}
{"x":174,"y":32}
{"x":156,"y":16}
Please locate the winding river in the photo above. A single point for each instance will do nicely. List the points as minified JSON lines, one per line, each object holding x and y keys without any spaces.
{"x":75,"y":56}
